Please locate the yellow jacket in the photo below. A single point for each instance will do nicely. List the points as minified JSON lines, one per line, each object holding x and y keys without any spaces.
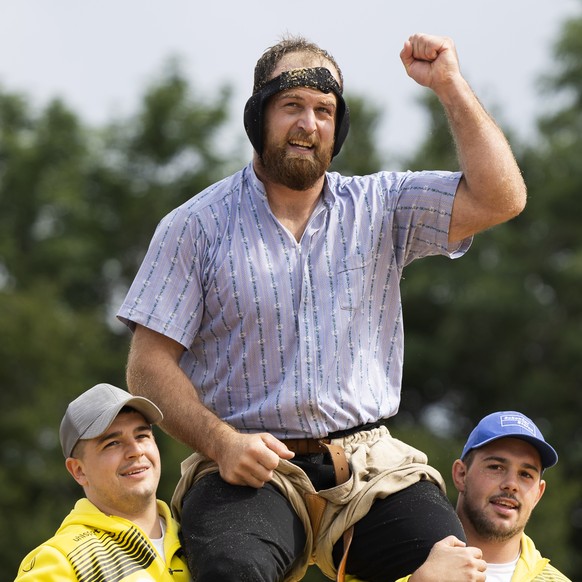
{"x":90,"y":545}
{"x":531,"y":567}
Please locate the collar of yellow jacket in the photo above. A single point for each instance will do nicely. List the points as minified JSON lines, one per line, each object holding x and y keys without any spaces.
{"x":530,"y":562}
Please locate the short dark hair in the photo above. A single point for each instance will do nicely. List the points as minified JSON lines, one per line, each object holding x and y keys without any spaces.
{"x":469,"y":458}
{"x":288,"y":45}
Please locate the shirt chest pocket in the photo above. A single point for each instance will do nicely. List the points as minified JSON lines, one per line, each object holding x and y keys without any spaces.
{"x":352,"y":277}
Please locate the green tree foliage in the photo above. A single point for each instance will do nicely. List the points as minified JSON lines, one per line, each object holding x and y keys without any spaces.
{"x":359,"y":154}
{"x":153,"y":162}
{"x":554,"y":172}
{"x":43,"y":353}
{"x":77,"y":210}
{"x":502,"y":330}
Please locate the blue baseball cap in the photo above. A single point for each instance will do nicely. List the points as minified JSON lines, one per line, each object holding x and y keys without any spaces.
{"x":509,"y":423}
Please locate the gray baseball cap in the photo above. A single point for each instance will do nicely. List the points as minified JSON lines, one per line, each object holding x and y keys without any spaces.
{"x":91,"y":414}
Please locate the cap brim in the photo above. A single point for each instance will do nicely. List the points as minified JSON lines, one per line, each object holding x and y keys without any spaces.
{"x":145,"y":407}
{"x":548,"y":455}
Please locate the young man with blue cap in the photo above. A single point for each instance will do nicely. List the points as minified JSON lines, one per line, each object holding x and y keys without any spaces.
{"x":119,"y":531}
{"x":499,"y":480}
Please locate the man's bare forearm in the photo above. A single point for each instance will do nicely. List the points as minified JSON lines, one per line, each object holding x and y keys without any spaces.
{"x":494,"y":190}
{"x":153,"y":371}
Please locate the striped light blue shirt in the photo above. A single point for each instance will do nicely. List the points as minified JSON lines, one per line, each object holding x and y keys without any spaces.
{"x":295,"y":338}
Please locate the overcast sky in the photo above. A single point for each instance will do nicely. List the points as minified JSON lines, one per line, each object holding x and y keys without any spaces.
{"x":100,"y":56}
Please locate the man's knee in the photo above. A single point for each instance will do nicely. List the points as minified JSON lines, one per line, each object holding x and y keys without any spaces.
{"x":237,"y":557}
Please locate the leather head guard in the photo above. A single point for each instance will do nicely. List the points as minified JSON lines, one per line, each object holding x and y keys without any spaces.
{"x":315,"y":78}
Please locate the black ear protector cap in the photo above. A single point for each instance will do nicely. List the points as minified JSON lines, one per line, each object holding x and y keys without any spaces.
{"x":316,"y":78}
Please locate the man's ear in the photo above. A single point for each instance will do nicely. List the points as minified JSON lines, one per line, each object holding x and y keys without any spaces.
{"x":75,"y":468}
{"x":542,"y":488}
{"x":459,"y":472}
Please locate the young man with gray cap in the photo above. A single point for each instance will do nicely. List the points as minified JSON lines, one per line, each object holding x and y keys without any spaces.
{"x":120,"y":531}
{"x":499,"y":480}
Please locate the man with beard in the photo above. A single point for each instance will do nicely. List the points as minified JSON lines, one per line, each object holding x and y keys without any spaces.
{"x":268,"y":328}
{"x":499,"y":480}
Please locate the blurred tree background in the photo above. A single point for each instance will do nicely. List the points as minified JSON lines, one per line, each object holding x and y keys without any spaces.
{"x":502,"y":329}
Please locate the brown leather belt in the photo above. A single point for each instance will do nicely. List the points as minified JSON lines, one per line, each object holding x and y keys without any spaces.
{"x":314,"y":446}
{"x":323,"y":445}
{"x":306,"y":446}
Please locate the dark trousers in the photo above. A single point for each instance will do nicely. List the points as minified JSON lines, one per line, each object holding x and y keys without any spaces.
{"x":253,"y":535}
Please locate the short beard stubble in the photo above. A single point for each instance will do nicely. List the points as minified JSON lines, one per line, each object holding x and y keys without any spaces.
{"x":486,"y":528}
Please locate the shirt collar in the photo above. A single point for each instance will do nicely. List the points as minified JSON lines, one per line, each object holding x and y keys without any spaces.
{"x":258,"y":187}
